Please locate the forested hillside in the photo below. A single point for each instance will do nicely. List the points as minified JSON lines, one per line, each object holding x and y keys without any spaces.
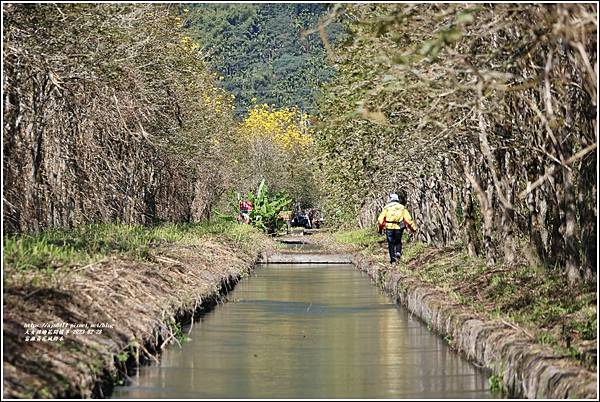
{"x":265,"y":53}
{"x":483,"y":115}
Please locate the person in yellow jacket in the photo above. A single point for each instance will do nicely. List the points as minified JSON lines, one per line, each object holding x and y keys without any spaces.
{"x":394,"y":218}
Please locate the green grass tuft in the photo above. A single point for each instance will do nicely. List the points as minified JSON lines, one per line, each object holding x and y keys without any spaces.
{"x":364,"y":238}
{"x":46,"y":251}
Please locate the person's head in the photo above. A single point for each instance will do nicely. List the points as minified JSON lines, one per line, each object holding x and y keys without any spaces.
{"x":393,"y":197}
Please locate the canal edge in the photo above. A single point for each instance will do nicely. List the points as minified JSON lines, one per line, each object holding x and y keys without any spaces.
{"x":104,"y":386}
{"x":104,"y":362}
{"x":163,"y":334}
{"x":527,"y":369}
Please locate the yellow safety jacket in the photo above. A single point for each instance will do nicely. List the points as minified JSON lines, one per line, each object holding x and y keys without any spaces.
{"x":395,"y":214}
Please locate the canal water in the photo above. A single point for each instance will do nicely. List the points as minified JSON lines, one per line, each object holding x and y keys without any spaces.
{"x":308,"y":331}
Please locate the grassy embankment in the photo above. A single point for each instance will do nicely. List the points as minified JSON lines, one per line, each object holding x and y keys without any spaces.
{"x":537,"y":300}
{"x":144,"y":282}
{"x":41,"y":257}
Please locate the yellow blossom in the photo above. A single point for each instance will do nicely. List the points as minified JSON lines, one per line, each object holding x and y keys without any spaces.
{"x":283,"y":126}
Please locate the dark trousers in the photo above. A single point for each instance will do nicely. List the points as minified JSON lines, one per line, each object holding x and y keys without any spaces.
{"x":394,"y":240}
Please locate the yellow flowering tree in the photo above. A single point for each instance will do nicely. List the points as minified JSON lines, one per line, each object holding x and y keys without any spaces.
{"x":285,"y":127}
{"x":277,"y":144}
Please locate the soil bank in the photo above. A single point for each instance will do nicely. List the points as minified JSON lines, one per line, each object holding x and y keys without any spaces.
{"x":126,"y":310}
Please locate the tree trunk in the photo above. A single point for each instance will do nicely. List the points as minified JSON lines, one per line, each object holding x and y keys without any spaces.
{"x":572,"y":268}
{"x":588,"y":214}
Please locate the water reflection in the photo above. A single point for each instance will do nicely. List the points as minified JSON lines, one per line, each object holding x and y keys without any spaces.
{"x":309,"y":331}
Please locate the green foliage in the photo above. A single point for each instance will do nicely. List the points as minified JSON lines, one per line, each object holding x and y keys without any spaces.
{"x":177,"y":331}
{"x":57,"y":247}
{"x":545,"y":338}
{"x":587,"y":326}
{"x":260,"y":51}
{"x":412,"y":249}
{"x":496,"y":385}
{"x":266,"y":208}
{"x":340,"y":216}
{"x":122,"y":357}
{"x":362,"y":237}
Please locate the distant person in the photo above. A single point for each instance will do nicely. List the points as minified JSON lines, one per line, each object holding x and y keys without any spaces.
{"x":245,"y":208}
{"x":312,"y":218}
{"x":394,"y":218}
{"x":286,"y":217}
{"x":300,"y":219}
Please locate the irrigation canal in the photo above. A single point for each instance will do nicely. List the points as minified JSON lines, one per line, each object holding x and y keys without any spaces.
{"x":308,"y":331}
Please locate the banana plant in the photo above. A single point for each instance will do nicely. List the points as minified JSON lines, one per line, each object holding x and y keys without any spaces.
{"x":267,"y":207}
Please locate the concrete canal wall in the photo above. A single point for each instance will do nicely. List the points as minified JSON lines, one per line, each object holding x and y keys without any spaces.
{"x":304,"y":258}
{"x":529,"y":370}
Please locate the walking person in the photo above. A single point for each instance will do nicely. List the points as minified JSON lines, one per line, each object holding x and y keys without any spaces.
{"x":394,"y":218}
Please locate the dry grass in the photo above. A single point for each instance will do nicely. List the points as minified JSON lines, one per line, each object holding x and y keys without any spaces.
{"x":142,"y":299}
